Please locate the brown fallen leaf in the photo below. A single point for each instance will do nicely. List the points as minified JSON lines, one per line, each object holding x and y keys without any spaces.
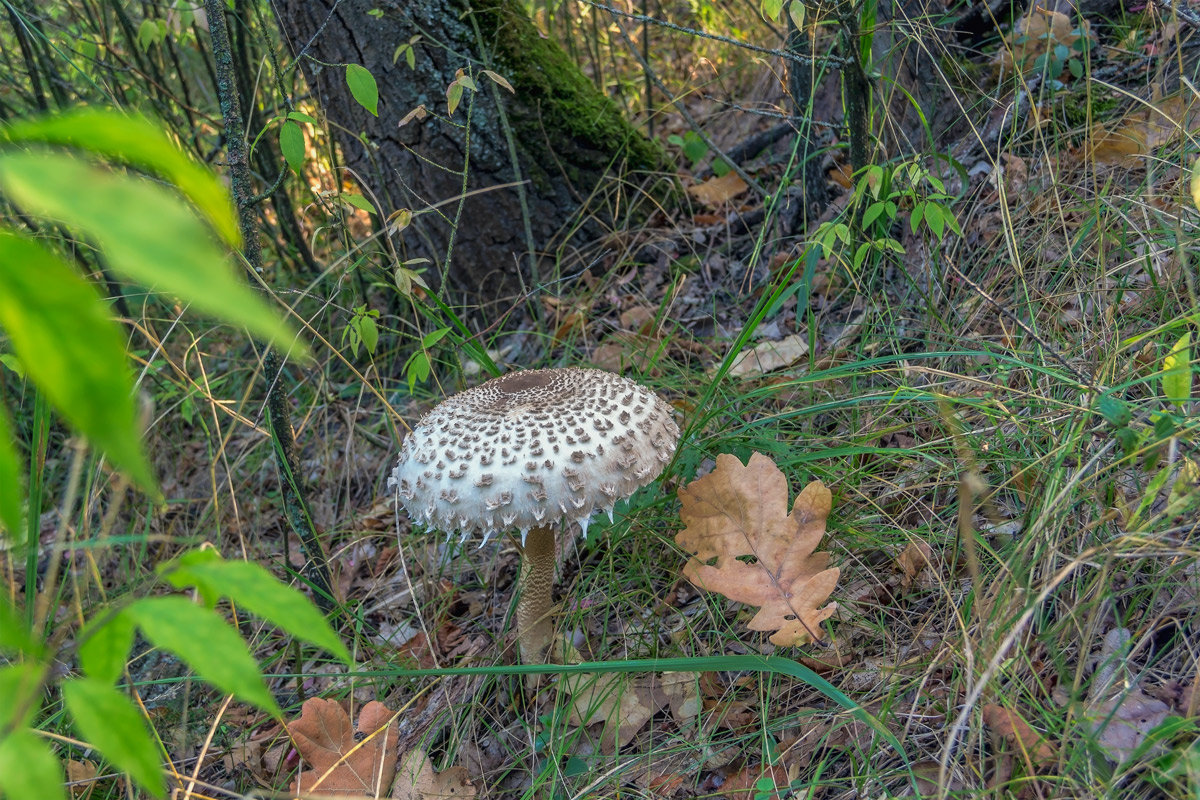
{"x":1121,"y":724}
{"x":1020,"y":734}
{"x":768,"y":356}
{"x":915,"y":559}
{"x":763,"y":782}
{"x":342,"y":763}
{"x":718,"y":191}
{"x":764,"y":556}
{"x":416,"y":780}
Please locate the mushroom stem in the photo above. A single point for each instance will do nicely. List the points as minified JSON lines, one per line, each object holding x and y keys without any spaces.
{"x":534,"y":624}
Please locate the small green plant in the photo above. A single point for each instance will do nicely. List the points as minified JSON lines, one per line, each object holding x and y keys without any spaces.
{"x":883,"y":194}
{"x":362,"y":329}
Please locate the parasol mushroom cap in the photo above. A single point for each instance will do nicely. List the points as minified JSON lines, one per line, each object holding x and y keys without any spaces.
{"x":533,"y":447}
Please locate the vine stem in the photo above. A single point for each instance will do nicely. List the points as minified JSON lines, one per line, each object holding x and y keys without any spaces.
{"x":316,"y":564}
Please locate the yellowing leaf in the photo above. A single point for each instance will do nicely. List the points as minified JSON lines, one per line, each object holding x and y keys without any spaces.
{"x":764,"y":556}
{"x":1195,"y":184}
{"x":1177,"y":371}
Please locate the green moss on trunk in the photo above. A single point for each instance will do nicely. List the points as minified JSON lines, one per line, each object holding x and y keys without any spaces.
{"x":559,"y":106}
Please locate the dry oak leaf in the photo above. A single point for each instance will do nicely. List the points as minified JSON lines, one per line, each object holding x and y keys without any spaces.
{"x":416,"y":780}
{"x":1019,"y":733}
{"x":341,"y":763}
{"x":736,"y":512}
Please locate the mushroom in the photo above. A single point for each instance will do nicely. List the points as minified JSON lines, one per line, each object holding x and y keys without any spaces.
{"x":522,"y":452}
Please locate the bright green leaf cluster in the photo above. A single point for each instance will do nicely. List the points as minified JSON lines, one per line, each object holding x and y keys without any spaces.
{"x":61,"y":330}
{"x":105,"y":716}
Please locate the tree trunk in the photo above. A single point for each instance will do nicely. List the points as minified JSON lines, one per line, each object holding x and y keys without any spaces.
{"x":557,"y":134}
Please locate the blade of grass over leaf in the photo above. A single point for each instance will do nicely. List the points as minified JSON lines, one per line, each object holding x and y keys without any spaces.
{"x":207,"y":643}
{"x":139,"y":142}
{"x":110,"y":722}
{"x":61,"y":330}
{"x":147,"y":232}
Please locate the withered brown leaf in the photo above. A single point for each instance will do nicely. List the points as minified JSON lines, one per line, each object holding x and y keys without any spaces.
{"x":1020,"y":734}
{"x":737,"y":515}
{"x":340,"y":764}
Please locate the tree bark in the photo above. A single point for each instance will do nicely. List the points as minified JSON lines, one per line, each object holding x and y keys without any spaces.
{"x":558,"y":136}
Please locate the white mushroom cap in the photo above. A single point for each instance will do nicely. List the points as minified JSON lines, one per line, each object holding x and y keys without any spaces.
{"x":532,"y":447}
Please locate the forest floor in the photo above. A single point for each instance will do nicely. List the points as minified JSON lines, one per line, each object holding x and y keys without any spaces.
{"x":992,"y":394}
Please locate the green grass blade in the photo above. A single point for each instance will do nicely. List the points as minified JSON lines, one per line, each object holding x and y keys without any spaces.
{"x":12,"y":481}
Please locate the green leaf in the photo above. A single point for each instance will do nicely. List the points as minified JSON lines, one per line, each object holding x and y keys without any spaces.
{"x":256,"y":590}
{"x":20,"y":691}
{"x":1177,"y":371}
{"x":360,"y":202}
{"x":12,"y":487}
{"x":141,"y":143}
{"x":933,"y":218}
{"x":207,"y":643}
{"x":300,"y":116}
{"x":14,"y":364}
{"x":148,"y":234}
{"x":29,"y":770}
{"x":771,"y":9}
{"x":111,"y":723}
{"x":369,"y":332}
{"x":14,"y":635}
{"x":291,"y":144}
{"x":104,"y":646}
{"x":72,"y":350}
{"x":917,"y":214}
{"x":1114,"y":411}
{"x":363,"y":87}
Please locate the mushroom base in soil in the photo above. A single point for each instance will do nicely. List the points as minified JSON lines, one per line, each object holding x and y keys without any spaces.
{"x":525,"y":452}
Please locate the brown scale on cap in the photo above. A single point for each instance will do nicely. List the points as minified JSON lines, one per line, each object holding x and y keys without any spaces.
{"x":498,"y":465}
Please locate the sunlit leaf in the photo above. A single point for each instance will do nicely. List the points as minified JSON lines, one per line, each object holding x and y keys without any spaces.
{"x":72,"y":350}
{"x":29,"y":770}
{"x":1177,"y":371}
{"x":256,"y":590}
{"x":147,"y":233}
{"x":111,"y":723}
{"x":1195,"y":183}
{"x":359,"y":202}
{"x":139,"y":142}
{"x":363,"y":87}
{"x":207,"y":643}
